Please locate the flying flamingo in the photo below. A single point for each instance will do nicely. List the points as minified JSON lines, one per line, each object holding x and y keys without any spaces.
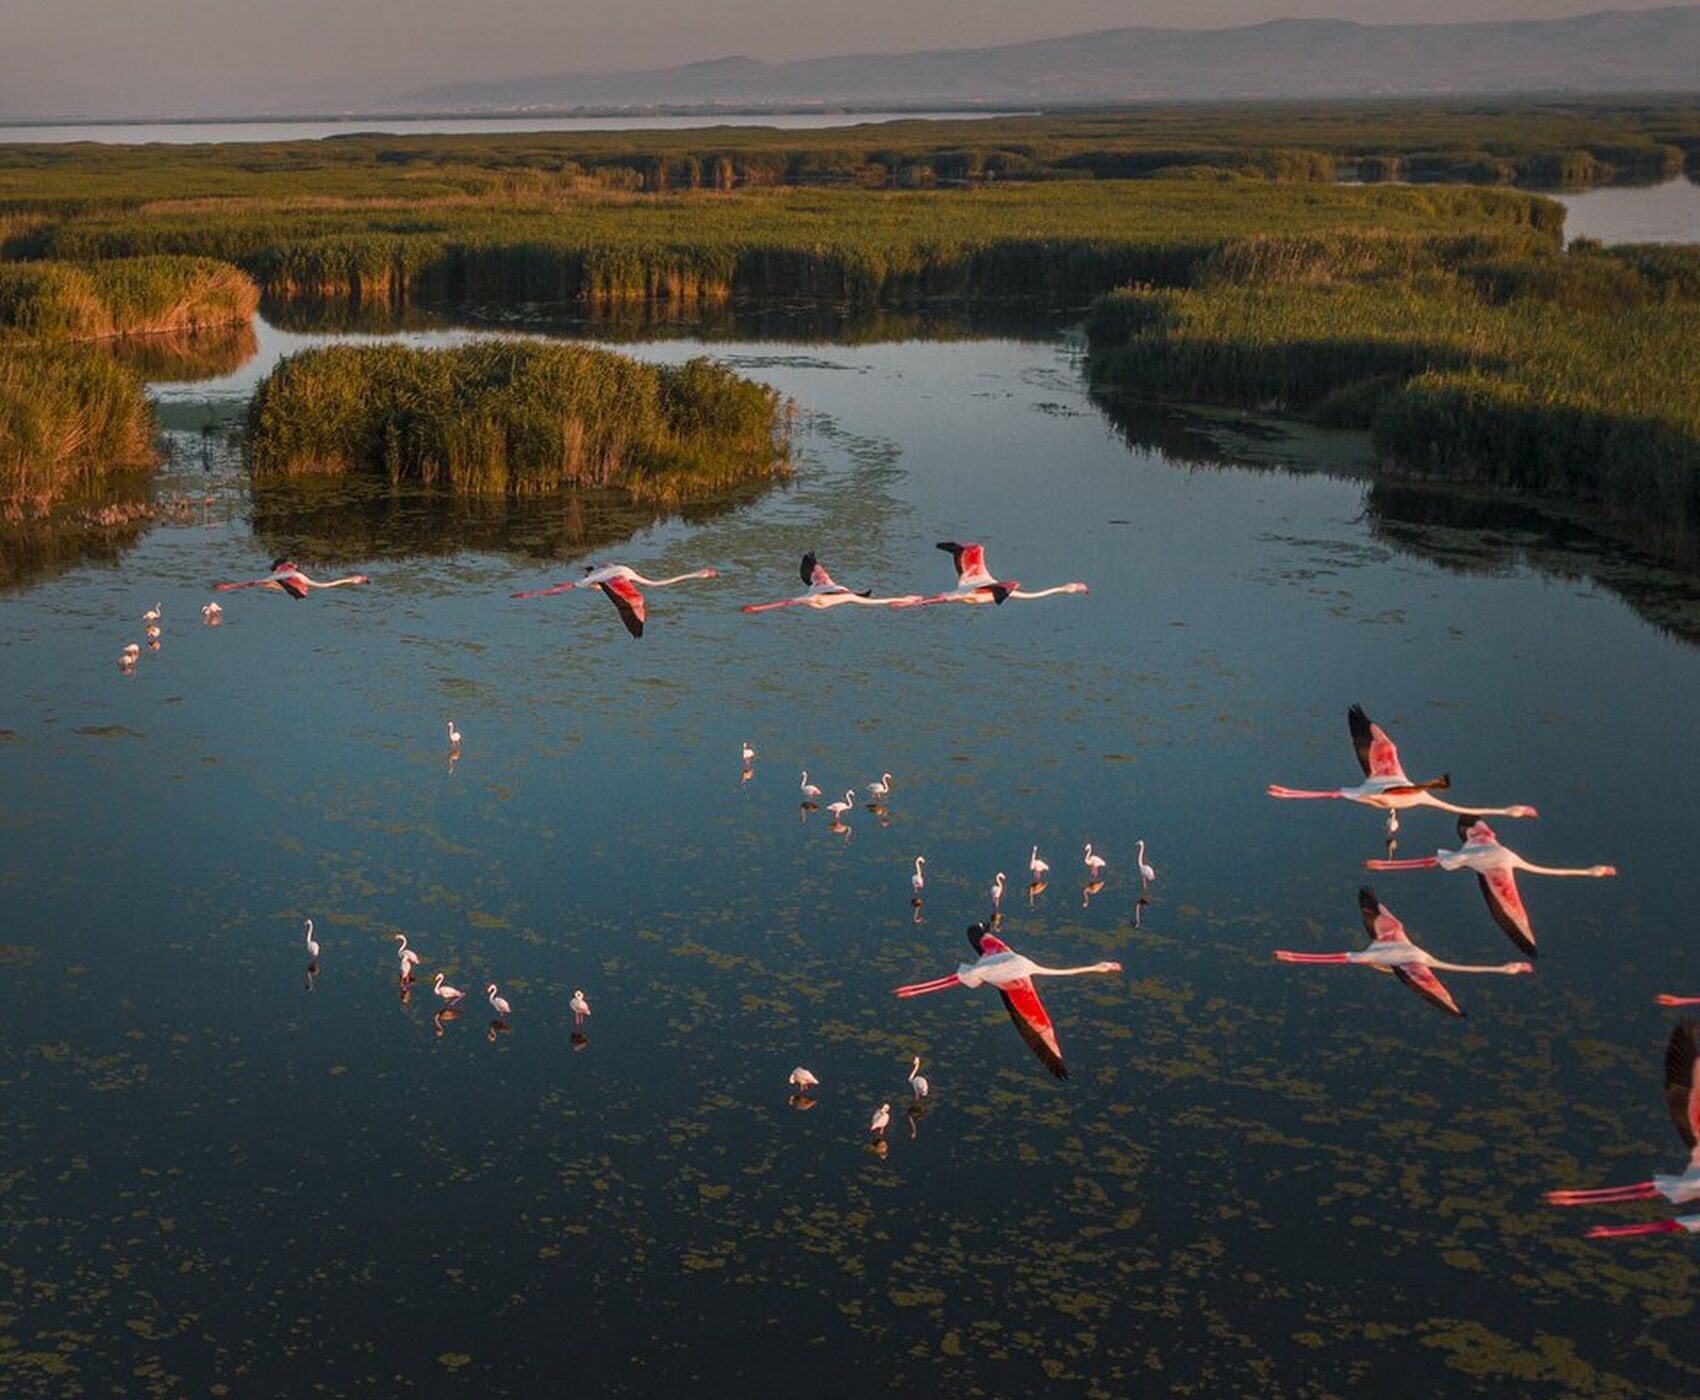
{"x":595,"y":575}
{"x":974,"y":581}
{"x":406,"y":956}
{"x":1094,"y":865}
{"x":1000,"y":966}
{"x":1037,"y":868}
{"x":822,"y":592}
{"x":918,"y":881}
{"x":881,"y":789}
{"x":450,"y":995}
{"x":1385,"y":785}
{"x":802,"y":1080}
{"x":1392,"y":951}
{"x":838,"y":809}
{"x":287,"y":577}
{"x":312,"y":947}
{"x":808,"y":789}
{"x":882,"y":1116}
{"x":918,"y":1081}
{"x":1147,"y":873}
{"x":454,"y":736}
{"x":1496,"y":868}
{"x":1682,"y":1098}
{"x":153,"y":613}
{"x":498,"y":1004}
{"x":579,"y":1007}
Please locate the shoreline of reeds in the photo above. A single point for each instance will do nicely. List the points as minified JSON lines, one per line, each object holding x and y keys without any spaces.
{"x":516,"y":417}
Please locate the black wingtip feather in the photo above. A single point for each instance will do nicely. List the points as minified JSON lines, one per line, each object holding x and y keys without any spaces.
{"x":1680,"y":1054}
{"x":808,"y":567}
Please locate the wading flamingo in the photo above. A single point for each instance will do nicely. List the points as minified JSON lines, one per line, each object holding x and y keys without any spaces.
{"x":454,"y":736}
{"x":1496,"y":868}
{"x":498,"y":1004}
{"x":1037,"y":868}
{"x":749,"y":754}
{"x":405,"y":956}
{"x":1394,"y":952}
{"x":997,"y":894}
{"x":808,"y":789}
{"x":288,"y":578}
{"x":1000,"y":966}
{"x":1147,"y":872}
{"x":822,"y":592}
{"x":579,"y":1007}
{"x":838,"y":809}
{"x":211,"y":613}
{"x":1385,"y":785}
{"x":1094,"y":865}
{"x":153,"y":613}
{"x":881,"y":789}
{"x":918,"y":1081}
{"x":128,"y":657}
{"x":918,"y":881}
{"x":801,"y":1080}
{"x":312,"y":945}
{"x":882,"y":1116}
{"x":450,"y":995}
{"x":1682,"y":1099}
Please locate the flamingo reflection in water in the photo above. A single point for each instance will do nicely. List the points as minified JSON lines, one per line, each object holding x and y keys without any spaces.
{"x":1682,"y":1100}
{"x":1496,"y":868}
{"x":1392,"y":951}
{"x":998,"y":965}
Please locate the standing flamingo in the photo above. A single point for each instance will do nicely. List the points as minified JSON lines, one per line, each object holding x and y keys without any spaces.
{"x":882,"y":1116}
{"x":1385,"y":785}
{"x":808,"y":789}
{"x":1094,"y":865}
{"x":406,"y":956}
{"x":997,"y":894}
{"x":454,"y":736}
{"x":918,"y":1081}
{"x":450,"y":995}
{"x":1496,"y":868}
{"x":881,"y":789}
{"x":801,"y":1080}
{"x":1147,"y":872}
{"x":1000,"y":966}
{"x":128,"y":657}
{"x":288,"y":578}
{"x":579,"y":1007}
{"x":1392,"y":951}
{"x":153,"y":613}
{"x":822,"y":592}
{"x":838,"y":809}
{"x":211,"y":614}
{"x":1037,"y":868}
{"x":1682,"y":1099}
{"x":749,"y":754}
{"x":312,"y":946}
{"x":498,"y":1004}
{"x":918,"y":881}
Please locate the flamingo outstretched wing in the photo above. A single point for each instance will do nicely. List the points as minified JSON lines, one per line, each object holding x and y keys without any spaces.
{"x":627,"y":601}
{"x":1376,"y":754}
{"x":970,"y":560}
{"x":814,"y":573}
{"x":1034,"y":1024}
{"x":1378,"y":918}
{"x":1505,"y":903}
{"x":1430,"y":988}
{"x":1682,"y":1085}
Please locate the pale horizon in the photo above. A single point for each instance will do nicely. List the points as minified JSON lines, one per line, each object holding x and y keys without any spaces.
{"x":204,"y":59}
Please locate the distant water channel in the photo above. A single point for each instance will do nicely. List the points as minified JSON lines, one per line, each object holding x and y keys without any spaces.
{"x":227,"y":1172}
{"x":1665,"y":213}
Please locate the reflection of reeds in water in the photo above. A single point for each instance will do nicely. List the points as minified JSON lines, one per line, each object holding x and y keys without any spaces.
{"x":37,"y":548}
{"x":183,"y":356}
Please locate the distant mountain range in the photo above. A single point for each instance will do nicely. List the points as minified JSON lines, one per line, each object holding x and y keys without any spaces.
{"x":1612,"y":51}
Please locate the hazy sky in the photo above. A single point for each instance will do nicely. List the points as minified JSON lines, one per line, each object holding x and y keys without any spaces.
{"x":146,"y":57}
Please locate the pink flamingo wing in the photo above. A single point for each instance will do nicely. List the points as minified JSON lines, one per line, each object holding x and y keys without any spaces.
{"x":1505,"y":903}
{"x":293,"y":586}
{"x":1379,"y":922}
{"x":989,"y":943}
{"x":624,"y":595}
{"x":1034,"y":1023}
{"x":1376,"y":754}
{"x":1429,"y":987}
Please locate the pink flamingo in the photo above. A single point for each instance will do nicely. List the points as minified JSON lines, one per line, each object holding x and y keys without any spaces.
{"x":450,"y":995}
{"x":1682,"y":1098}
{"x":824,"y":593}
{"x":1496,"y":868}
{"x":1394,"y":952}
{"x":579,"y":1006}
{"x":287,"y":577}
{"x":998,"y":965}
{"x":975,"y":584}
{"x":618,"y":584}
{"x":1385,"y":785}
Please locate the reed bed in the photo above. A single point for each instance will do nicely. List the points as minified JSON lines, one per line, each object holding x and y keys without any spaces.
{"x":43,"y":302}
{"x":1525,"y":373}
{"x":68,"y":417}
{"x":516,"y":417}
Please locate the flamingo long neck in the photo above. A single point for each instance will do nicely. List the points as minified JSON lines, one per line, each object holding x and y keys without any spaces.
{"x":677,"y":578}
{"x":1428,"y":799}
{"x":1037,"y":971}
{"x":403,"y":940}
{"x":1510,"y":969}
{"x":1046,"y":592}
{"x":334,"y":583}
{"x":1534,"y":869}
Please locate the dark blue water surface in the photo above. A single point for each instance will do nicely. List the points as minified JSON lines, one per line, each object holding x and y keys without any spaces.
{"x":219,"y":1178}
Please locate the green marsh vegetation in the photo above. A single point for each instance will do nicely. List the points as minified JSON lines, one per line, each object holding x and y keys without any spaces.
{"x":516,"y":417}
{"x":68,"y":419}
{"x":1566,"y":373}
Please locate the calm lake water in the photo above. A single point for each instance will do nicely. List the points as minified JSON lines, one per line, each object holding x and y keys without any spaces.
{"x":192,"y":133}
{"x":224,"y":1176}
{"x":1667,"y":213}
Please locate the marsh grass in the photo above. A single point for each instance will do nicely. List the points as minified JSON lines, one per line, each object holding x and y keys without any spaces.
{"x":68,"y":418}
{"x":516,"y":417}
{"x":43,"y":302}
